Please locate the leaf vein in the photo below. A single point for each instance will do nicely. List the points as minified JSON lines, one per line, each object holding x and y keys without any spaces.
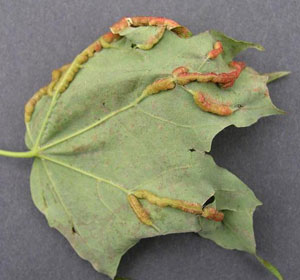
{"x":100,"y":179}
{"x":163,"y":119}
{"x":56,"y":193}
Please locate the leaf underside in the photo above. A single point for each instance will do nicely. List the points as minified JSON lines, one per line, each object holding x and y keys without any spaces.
{"x":81,"y":178}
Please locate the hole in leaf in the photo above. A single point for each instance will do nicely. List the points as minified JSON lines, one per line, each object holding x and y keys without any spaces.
{"x":192,"y":150}
{"x":209,"y":201}
{"x":73,"y":230}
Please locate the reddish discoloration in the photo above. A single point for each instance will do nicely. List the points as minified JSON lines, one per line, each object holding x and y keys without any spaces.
{"x":151,"y":21}
{"x":189,"y":207}
{"x":108,"y":38}
{"x":120,"y":25}
{"x":169,"y":23}
{"x":91,"y":49}
{"x":180,"y":70}
{"x":186,"y":206}
{"x":182,"y":32}
{"x":84,"y":56}
{"x":226,"y":79}
{"x":97,"y":46}
{"x":160,"y":21}
{"x":160,"y":85}
{"x":213,"y":214}
{"x":139,"y":21}
{"x":152,"y":40}
{"x":230,"y":78}
{"x":218,"y":49}
{"x":208,"y":104}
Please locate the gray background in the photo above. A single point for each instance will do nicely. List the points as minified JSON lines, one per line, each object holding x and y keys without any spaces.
{"x":39,"y":36}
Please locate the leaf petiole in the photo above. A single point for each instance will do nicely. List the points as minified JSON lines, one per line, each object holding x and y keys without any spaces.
{"x":270,"y":267}
{"x":28,"y":154}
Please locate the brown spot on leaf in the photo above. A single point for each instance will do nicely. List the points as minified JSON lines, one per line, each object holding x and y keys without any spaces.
{"x":209,"y":104}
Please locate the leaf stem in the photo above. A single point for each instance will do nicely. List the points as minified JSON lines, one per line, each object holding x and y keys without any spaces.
{"x":28,"y":154}
{"x":270,"y":267}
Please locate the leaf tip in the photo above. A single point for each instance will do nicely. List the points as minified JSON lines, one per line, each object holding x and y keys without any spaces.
{"x":281,"y":112}
{"x":276,"y":75}
{"x":259,"y":47}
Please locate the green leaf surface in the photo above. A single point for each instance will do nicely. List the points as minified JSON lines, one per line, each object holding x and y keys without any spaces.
{"x":101,"y":141}
{"x":232,"y":47}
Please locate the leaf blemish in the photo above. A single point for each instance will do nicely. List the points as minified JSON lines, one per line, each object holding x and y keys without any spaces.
{"x":209,"y":201}
{"x":111,"y":151}
{"x":73,"y":230}
{"x":186,"y":206}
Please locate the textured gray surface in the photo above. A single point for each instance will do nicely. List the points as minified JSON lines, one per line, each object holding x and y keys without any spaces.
{"x":38,"y":36}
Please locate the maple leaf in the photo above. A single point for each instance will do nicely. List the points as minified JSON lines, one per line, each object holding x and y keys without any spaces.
{"x":120,"y":137}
